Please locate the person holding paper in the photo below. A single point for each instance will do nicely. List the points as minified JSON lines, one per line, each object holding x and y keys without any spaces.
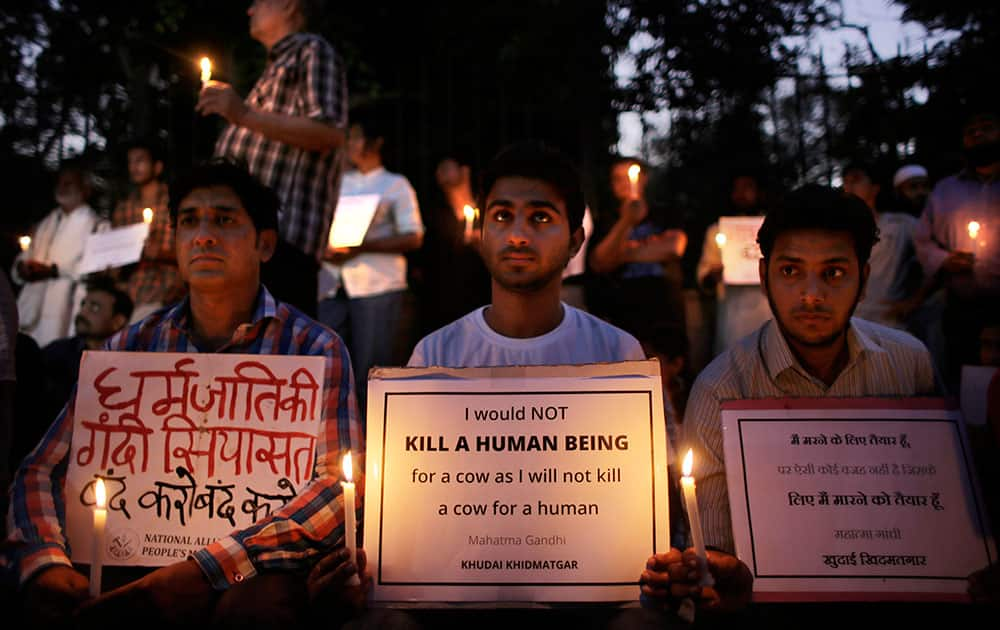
{"x":362,"y":288}
{"x":47,"y":268}
{"x":290,"y":131}
{"x":813,"y":273}
{"x":226,"y":226}
{"x":154,"y":281}
{"x":739,"y":309}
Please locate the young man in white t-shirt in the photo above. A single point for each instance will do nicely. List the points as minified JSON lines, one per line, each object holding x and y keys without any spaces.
{"x":532,"y":209}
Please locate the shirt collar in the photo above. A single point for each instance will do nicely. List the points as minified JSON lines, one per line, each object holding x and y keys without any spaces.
{"x":284,"y":45}
{"x":372,"y":174}
{"x":778,"y":356}
{"x":265,"y":308}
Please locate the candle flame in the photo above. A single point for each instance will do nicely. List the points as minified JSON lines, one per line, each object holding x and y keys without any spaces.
{"x":470,"y":213}
{"x":206,"y":69}
{"x":347,"y":467}
{"x":974,"y":229}
{"x":720,"y":239}
{"x":24,"y":242}
{"x":100,"y":494}
{"x":688,"y":463}
{"x":147,"y":215}
{"x":633,"y":173}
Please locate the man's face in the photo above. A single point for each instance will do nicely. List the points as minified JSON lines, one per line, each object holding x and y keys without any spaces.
{"x":141,"y":167}
{"x":71,"y":191}
{"x":745,"y":192}
{"x":621,"y":187}
{"x":358,"y":146}
{"x":448,"y":174}
{"x":526,"y":241}
{"x":268,"y":17}
{"x":915,"y":190}
{"x":980,"y":130}
{"x":97,"y":318}
{"x":813,"y":282}
{"x":218,"y":247}
{"x":859,"y":184}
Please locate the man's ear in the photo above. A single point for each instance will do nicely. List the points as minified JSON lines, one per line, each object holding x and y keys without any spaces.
{"x":267,"y":242}
{"x":576,"y":241}
{"x":157,"y":169}
{"x":762,"y":272}
{"x":118,"y":321}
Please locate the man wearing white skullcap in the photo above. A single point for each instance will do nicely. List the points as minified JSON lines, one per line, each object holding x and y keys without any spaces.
{"x":910,"y":189}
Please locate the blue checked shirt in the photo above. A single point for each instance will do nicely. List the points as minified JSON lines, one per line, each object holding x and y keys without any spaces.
{"x":304,"y":77}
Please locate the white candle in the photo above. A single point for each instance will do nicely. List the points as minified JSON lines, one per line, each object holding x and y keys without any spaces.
{"x":24,"y":242}
{"x":633,"y":180}
{"x":350,"y":517}
{"x":720,"y":240}
{"x":100,"y":520}
{"x":206,"y":70}
{"x":694,"y":517}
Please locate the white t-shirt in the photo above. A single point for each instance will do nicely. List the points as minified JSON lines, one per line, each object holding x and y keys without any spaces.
{"x":579,"y":338}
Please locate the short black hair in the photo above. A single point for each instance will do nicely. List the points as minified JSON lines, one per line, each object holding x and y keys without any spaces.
{"x":259,"y":201}
{"x":870,"y":170}
{"x":815,"y":207}
{"x":535,"y":160}
{"x":122,"y":302}
{"x":150,"y":145}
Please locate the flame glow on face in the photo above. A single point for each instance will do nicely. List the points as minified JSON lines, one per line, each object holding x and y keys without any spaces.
{"x":100,"y":494}
{"x":688,"y":463}
{"x":347,"y":466}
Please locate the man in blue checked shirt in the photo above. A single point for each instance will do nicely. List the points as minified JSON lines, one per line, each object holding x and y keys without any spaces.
{"x":226,"y":227}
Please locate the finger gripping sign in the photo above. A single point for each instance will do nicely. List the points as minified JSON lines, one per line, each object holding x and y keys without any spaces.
{"x":854,"y":499}
{"x":515,"y":484}
{"x":190,"y":448}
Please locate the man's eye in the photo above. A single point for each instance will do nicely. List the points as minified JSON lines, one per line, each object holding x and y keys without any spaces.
{"x":835,"y":273}
{"x":788,"y":271}
{"x":541,"y":217}
{"x":224,"y":219}
{"x":186,"y":220}
{"x":502,"y":216}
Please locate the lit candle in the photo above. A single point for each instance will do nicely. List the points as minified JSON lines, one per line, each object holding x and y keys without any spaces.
{"x":147,"y":215}
{"x":974,"y":228}
{"x":470,"y":220}
{"x":24,"y":242}
{"x":694,"y":518}
{"x":350,"y":518}
{"x":206,"y":70}
{"x":633,"y":180}
{"x":720,"y":240}
{"x":100,"y":520}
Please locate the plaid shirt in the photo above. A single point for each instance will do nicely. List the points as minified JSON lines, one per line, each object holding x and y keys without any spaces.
{"x":291,"y":538}
{"x":303,"y":78}
{"x":155,"y":279}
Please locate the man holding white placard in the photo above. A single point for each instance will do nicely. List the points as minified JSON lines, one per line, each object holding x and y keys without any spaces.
{"x":226,"y":226}
{"x":361,"y":288}
{"x":813,"y":271}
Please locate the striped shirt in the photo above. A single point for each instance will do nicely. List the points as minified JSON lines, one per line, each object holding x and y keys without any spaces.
{"x":304,"y":78}
{"x":882,"y":362}
{"x":290,"y":538}
{"x":155,"y":279}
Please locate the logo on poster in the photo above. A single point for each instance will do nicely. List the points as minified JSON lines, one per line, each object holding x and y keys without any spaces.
{"x":123,"y":544}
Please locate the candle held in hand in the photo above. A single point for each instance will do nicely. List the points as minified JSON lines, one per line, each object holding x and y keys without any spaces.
{"x":24,"y":242}
{"x":100,"y":520}
{"x":720,"y":240}
{"x":206,"y":70}
{"x":147,"y":215}
{"x":470,"y":221}
{"x":694,"y":517}
{"x":633,"y":180}
{"x":350,"y":517}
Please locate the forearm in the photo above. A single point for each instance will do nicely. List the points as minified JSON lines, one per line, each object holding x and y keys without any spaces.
{"x":393,"y":244}
{"x":612,"y":251}
{"x":298,"y":131}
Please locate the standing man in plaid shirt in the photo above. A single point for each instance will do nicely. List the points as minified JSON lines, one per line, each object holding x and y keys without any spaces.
{"x":154,"y":281}
{"x":290,"y":131}
{"x":226,"y":226}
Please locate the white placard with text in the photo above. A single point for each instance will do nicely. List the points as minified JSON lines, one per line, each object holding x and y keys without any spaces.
{"x":740,"y":254}
{"x":190,"y":447}
{"x":514,"y":484}
{"x":351,"y":219}
{"x":854,"y":499}
{"x":113,"y":248}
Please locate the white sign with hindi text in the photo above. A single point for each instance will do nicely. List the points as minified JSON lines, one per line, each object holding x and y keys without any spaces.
{"x":853,"y":498}
{"x":740,"y":253}
{"x":351,"y":219}
{"x":113,"y":248}
{"x":526,"y":484}
{"x":190,"y":447}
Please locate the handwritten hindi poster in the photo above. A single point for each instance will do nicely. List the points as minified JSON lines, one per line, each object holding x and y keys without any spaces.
{"x":514,"y":484}
{"x":351,"y":219}
{"x":740,"y":254}
{"x":190,"y":446}
{"x":853,"y":499}
{"x":113,"y":248}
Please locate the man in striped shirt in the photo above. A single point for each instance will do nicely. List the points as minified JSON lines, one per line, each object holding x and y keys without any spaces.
{"x":226,"y":226}
{"x":813,"y":271}
{"x":290,"y":132}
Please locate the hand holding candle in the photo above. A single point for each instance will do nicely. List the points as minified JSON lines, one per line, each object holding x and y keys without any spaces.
{"x":100,"y":520}
{"x":24,"y":242}
{"x":720,"y":240}
{"x":147,"y":215}
{"x":470,"y":221}
{"x":633,"y":180}
{"x":206,"y":70}
{"x":350,"y":517}
{"x":694,"y":517}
